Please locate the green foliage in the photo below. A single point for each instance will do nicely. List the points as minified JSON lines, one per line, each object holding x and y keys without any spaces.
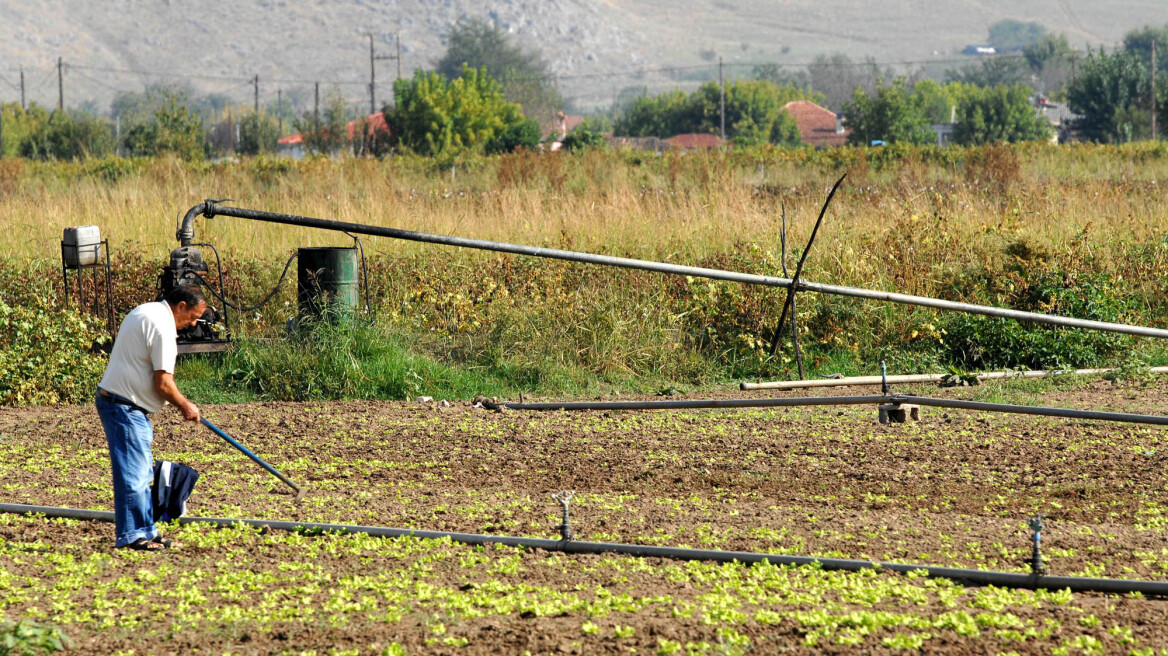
{"x":328,"y":133}
{"x":654,"y":116}
{"x":445,"y":119}
{"x":519,"y":134}
{"x":838,"y":76}
{"x":1050,"y":50}
{"x":1008,"y":35}
{"x":990,"y":72}
{"x":1106,"y":91}
{"x":46,"y":356}
{"x":174,"y":128}
{"x":998,"y":115}
{"x":24,"y":638}
{"x":19,"y":124}
{"x":755,"y":113}
{"x":1139,"y":43}
{"x":258,"y":133}
{"x":581,"y":138}
{"x":66,"y":137}
{"x":783,"y":77}
{"x":978,"y":342}
{"x":893,"y":115}
{"x":324,"y":360}
{"x":937,"y":101}
{"x":523,"y":76}
{"x":1051,"y":60}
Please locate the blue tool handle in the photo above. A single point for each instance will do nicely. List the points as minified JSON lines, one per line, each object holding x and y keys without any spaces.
{"x":247,"y":452}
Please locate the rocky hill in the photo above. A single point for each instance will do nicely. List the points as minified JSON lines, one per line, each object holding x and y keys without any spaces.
{"x":598,"y":47}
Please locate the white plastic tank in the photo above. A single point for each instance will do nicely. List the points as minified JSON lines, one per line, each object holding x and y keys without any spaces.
{"x":81,"y":246}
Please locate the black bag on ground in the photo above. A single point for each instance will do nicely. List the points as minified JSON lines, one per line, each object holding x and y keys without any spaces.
{"x":173,"y":483}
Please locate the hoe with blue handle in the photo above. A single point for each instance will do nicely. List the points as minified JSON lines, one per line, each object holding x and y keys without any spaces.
{"x":260,"y":461}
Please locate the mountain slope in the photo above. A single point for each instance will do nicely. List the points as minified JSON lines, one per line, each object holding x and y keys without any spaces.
{"x":597,"y":46}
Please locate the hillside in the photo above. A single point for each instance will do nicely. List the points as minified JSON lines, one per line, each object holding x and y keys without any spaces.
{"x":597,"y":46}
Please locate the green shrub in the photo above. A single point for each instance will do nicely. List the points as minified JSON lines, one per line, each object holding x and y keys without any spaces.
{"x":979,"y":342}
{"x":46,"y":356}
{"x":583,"y":139}
{"x":519,"y":134}
{"x":323,"y":360}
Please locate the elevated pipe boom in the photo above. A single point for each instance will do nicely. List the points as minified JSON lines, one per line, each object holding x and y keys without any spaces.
{"x":186,"y":235}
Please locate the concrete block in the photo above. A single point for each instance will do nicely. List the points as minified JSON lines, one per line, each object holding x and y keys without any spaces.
{"x":899,"y":413}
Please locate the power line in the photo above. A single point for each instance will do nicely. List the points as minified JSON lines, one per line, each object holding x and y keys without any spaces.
{"x":199,"y":76}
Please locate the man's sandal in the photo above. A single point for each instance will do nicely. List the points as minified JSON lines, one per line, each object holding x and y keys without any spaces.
{"x":145,"y":545}
{"x":166,"y":543}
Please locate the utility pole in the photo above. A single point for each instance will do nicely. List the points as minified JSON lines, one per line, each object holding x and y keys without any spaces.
{"x":22,"y":104}
{"x":722,"y":97}
{"x":60,"y":84}
{"x":372,"y":78}
{"x":373,"y":58}
{"x":256,"y":84}
{"x":316,"y":110}
{"x":280,"y":109}
{"x":1154,"y":135}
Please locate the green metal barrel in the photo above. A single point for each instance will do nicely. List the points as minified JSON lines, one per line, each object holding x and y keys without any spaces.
{"x":326,"y":281}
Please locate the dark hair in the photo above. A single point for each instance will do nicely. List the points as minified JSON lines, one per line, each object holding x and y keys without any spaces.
{"x":184,"y":293}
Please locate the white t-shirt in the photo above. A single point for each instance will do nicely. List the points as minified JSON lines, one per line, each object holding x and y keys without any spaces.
{"x":146,"y":343}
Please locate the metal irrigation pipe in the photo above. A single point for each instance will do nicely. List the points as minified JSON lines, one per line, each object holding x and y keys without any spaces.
{"x":974,"y":576}
{"x":840,"y":400}
{"x":209,"y":209}
{"x":924,"y":378}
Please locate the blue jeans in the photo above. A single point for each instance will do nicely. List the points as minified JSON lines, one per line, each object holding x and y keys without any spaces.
{"x":129,"y":433}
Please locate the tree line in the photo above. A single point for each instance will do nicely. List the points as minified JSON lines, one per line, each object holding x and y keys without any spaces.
{"x":488,"y":94}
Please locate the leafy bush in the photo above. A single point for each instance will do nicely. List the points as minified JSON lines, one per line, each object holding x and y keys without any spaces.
{"x":328,"y":360}
{"x":443,"y":119}
{"x":68,"y":137}
{"x":46,"y":356}
{"x":174,"y":128}
{"x":583,"y":139}
{"x":979,"y":342}
{"x":258,"y":133}
{"x":519,"y":134}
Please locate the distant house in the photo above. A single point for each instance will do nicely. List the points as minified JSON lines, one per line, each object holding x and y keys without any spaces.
{"x":944,"y":131}
{"x":693,"y":141}
{"x":1061,"y":118}
{"x":375,"y":127}
{"x":818,"y":126}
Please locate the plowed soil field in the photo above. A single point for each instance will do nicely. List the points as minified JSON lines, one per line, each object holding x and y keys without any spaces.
{"x":954,"y":489}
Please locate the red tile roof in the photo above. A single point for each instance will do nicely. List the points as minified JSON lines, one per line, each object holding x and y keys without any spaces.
{"x":694,"y":141}
{"x":374,"y":123}
{"x":816,"y":124}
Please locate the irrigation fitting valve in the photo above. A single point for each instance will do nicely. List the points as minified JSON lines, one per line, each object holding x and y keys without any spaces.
{"x":565,"y":498}
{"x":884,"y":388}
{"x":1036,"y":566}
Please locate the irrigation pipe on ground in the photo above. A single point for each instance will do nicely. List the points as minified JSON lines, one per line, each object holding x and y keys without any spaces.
{"x":973,"y":576}
{"x":186,"y":234}
{"x":1066,"y":413}
{"x":923,"y":378}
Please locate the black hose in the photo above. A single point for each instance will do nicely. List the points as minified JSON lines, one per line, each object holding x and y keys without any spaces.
{"x":364,"y":275}
{"x":972,"y":576}
{"x":1065,"y":413}
{"x":257,"y":305}
{"x":219,"y":275}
